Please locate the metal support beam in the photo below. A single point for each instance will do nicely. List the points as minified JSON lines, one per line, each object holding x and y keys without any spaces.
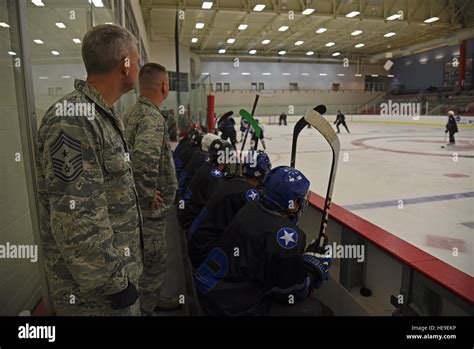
{"x":209,"y":32}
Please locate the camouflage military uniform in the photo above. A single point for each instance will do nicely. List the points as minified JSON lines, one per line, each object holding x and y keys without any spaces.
{"x":90,"y":218}
{"x":153,"y":168}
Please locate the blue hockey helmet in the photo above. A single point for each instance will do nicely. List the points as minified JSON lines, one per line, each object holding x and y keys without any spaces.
{"x":259,"y":167}
{"x":286,"y":189}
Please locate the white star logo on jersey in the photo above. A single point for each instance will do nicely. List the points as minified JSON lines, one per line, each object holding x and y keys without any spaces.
{"x":251,"y":195}
{"x":216,"y":173}
{"x":287,"y":238}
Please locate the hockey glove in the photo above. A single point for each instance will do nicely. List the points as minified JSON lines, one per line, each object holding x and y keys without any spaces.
{"x":318,"y":263}
{"x":124,"y":298}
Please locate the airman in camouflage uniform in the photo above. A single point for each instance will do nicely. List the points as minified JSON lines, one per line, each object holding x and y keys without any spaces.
{"x":155,"y":178}
{"x":90,"y":218}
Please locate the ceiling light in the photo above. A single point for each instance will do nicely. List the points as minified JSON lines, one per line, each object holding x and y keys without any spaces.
{"x":359,"y":45}
{"x":230,"y":41}
{"x":304,"y":74}
{"x":11,"y":53}
{"x":329,"y":44}
{"x":259,"y":7}
{"x":299,"y":42}
{"x":38,"y":3}
{"x":358,"y":75}
{"x":266,"y":42}
{"x":323,"y":74}
{"x":243,"y":26}
{"x":66,"y":76}
{"x":4,"y":25}
{"x":390,"y":76}
{"x":283,"y":28}
{"x":224,"y":73}
{"x":222,"y":50}
{"x":194,"y":40}
{"x":375,"y":75}
{"x":309,"y":53}
{"x":431,"y":20}
{"x":55,"y":53}
{"x":60,"y":25}
{"x":389,"y":34}
{"x":38,"y":41}
{"x":356,"y":32}
{"x":335,"y":54}
{"x":96,"y":3}
{"x":281,"y":53}
{"x":199,"y":25}
{"x":286,"y":74}
{"x":76,"y":41}
{"x":245,"y":73}
{"x":42,"y":77}
{"x":266,"y":73}
{"x":352,"y":14}
{"x":252,"y":52}
{"x":308,"y":11}
{"x":393,"y":17}
{"x":207,"y":5}
{"x":341,"y":74}
{"x":111,"y":23}
{"x":205,"y":73}
{"x":321,"y":30}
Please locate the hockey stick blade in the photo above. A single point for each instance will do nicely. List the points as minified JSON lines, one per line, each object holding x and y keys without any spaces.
{"x":255,"y":102}
{"x":299,"y":126}
{"x":315,"y":119}
{"x":251,"y":120}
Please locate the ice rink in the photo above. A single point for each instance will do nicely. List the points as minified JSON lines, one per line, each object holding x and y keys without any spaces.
{"x":398,"y":177}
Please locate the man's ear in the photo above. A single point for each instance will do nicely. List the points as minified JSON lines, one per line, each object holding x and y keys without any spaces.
{"x":126,"y":66}
{"x":163,"y":87}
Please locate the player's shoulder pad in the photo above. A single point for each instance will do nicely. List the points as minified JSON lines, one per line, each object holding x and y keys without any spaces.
{"x":287,"y":238}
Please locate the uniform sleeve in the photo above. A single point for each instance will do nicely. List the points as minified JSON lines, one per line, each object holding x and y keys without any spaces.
{"x":285,"y":272}
{"x":78,"y":210}
{"x":145,"y":156}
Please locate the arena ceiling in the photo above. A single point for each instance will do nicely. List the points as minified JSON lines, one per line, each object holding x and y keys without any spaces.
{"x":318,"y":28}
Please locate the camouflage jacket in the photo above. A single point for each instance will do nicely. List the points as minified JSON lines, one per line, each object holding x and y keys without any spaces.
{"x":90,"y":219}
{"x":152,"y":159}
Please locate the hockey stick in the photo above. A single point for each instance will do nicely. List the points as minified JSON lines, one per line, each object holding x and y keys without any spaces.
{"x":445,"y":137}
{"x":299,"y":126}
{"x":248,"y":129}
{"x":314,"y":118}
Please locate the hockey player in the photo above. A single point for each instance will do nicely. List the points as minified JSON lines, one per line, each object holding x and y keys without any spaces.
{"x":260,"y":264}
{"x":204,"y":183}
{"x":282,"y":119}
{"x":451,"y":127}
{"x":186,"y":148}
{"x":244,"y":125}
{"x":261,"y":138}
{"x":228,"y":128}
{"x":213,"y":219}
{"x":340,"y":120}
{"x":197,"y":160}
